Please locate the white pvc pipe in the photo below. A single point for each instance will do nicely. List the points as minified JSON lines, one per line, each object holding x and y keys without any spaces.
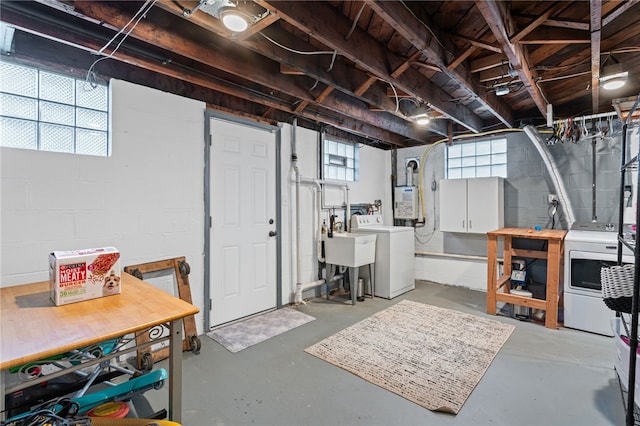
{"x":294,"y":162}
{"x":299,"y":179}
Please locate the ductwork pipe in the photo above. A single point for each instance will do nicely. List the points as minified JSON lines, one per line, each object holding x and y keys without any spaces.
{"x":554,"y":173}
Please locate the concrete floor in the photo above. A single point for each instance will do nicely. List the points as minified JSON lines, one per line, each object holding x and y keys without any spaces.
{"x":539,"y":377}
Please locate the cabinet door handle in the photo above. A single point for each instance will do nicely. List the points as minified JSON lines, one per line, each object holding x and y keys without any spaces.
{"x":470,"y":226}
{"x":463,"y":224}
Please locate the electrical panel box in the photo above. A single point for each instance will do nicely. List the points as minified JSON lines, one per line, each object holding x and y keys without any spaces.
{"x":406,"y":202}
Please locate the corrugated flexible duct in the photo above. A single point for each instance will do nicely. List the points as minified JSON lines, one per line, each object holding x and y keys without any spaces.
{"x":554,"y":173}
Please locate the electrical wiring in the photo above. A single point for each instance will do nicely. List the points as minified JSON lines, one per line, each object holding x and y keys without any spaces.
{"x":137,"y":17}
{"x":552,"y":211}
{"x":395,"y":93}
{"x":333,"y":53}
{"x":355,"y":21}
{"x":299,"y":52}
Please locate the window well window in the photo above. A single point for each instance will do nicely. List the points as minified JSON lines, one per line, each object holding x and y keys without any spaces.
{"x":477,"y":159}
{"x":340,"y":159}
{"x":46,"y":111}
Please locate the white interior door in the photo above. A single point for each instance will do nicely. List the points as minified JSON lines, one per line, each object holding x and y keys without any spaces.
{"x":243,"y":254}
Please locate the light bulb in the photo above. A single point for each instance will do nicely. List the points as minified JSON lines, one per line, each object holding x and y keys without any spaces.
{"x":235,"y":22}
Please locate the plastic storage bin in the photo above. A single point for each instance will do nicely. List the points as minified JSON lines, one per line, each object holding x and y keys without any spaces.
{"x":621,"y":360}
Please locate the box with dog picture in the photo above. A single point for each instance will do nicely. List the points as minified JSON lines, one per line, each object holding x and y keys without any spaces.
{"x":77,"y":275}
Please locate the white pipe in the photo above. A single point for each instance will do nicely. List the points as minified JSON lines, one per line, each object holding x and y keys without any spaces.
{"x":552,"y":169}
{"x":299,"y":179}
{"x":294,"y":162}
{"x":313,"y":284}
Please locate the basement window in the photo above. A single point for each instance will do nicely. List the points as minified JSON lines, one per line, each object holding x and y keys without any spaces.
{"x":477,"y":159}
{"x":340,"y":159}
{"x":47,"y":111}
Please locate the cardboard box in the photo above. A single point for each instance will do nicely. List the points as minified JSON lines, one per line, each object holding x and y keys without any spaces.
{"x":77,"y":275}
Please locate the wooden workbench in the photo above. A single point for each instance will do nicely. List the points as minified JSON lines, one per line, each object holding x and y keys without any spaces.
{"x":553,"y":255}
{"x":32,"y":328}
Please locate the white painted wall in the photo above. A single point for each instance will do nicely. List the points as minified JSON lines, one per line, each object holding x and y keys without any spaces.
{"x":374,"y":183}
{"x":146,"y":199}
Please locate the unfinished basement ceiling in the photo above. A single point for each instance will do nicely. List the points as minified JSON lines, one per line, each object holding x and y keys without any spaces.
{"x":360,"y":69}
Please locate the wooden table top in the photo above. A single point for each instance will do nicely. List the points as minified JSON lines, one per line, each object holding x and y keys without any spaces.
{"x":33,"y":328}
{"x":543,"y":234}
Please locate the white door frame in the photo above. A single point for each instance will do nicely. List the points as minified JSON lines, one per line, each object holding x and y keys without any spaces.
{"x":207,"y":206}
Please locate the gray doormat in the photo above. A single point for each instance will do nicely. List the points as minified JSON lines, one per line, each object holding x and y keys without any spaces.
{"x":241,"y":335}
{"x":426,"y":354}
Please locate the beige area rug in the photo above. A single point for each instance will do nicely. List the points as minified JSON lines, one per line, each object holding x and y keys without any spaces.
{"x":429,"y":355}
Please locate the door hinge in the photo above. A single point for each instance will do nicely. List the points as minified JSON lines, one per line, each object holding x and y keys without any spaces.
{"x":210,"y":304}
{"x":210,"y":222}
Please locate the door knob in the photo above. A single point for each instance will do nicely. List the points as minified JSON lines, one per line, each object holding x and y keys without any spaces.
{"x":272,"y":233}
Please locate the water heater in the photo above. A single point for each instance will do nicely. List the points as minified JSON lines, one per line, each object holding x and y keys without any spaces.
{"x":406,"y":202}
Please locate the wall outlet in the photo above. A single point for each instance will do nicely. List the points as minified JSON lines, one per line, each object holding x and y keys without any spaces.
{"x":552,"y":198}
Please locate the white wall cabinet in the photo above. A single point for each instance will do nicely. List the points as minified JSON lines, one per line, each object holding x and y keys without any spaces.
{"x":473,"y":205}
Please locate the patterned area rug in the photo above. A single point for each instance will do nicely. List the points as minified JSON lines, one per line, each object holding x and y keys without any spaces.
{"x":239,"y":336}
{"x":429,"y":355}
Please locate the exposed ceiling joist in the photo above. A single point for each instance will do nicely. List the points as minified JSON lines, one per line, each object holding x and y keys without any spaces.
{"x":499,"y":20}
{"x":368,"y":54}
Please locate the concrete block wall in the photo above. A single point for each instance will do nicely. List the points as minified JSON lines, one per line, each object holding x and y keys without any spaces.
{"x":526,"y":190}
{"x":146,"y":199}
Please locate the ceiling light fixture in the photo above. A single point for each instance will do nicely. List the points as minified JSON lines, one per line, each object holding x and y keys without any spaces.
{"x":235,"y":19}
{"x":613,"y":77}
{"x":422,"y":119}
{"x":236,"y":15}
{"x":501,"y":91}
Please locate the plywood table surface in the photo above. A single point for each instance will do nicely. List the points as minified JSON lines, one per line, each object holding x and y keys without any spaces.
{"x":32,"y":328}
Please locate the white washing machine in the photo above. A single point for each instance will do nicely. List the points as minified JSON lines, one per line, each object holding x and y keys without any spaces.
{"x":394,"y":271}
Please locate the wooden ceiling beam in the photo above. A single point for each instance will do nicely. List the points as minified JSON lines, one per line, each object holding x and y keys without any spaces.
{"x":462,"y":57}
{"x":256,"y":27}
{"x":248,"y":65}
{"x":478,"y":43}
{"x":550,"y":35}
{"x":499,"y":20}
{"x":488,"y":62}
{"x":554,"y":22}
{"x":24,"y":18}
{"x":407,"y":25}
{"x":368,"y":54}
{"x":623,"y":7}
{"x":341,"y":76}
{"x":537,"y":22}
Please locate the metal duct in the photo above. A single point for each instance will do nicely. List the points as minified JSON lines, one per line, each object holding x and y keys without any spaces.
{"x":554,"y":173}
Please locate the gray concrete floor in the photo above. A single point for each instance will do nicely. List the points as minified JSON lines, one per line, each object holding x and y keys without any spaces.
{"x":539,"y":377}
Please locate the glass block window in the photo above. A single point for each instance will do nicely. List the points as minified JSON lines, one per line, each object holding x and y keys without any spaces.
{"x":477,"y":159}
{"x":46,"y":111}
{"x":340,"y":160}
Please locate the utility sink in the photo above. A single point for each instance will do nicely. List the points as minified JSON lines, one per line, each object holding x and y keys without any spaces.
{"x":348,"y":249}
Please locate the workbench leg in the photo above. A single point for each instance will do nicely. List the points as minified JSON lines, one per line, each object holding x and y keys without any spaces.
{"x":175,"y":371}
{"x":492,"y":279}
{"x":553,"y":280}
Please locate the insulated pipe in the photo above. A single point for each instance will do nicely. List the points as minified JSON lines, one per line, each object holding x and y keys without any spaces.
{"x":553,"y":171}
